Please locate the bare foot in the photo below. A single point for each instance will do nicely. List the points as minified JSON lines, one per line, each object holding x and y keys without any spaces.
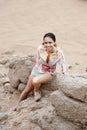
{"x":14,"y":108}
{"x":37,"y":96}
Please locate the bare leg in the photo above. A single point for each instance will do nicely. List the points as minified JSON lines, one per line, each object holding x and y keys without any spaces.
{"x":27,"y":90}
{"x":29,"y":87}
{"x":38,"y":80}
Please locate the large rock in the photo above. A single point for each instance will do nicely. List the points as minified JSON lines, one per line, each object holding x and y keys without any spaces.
{"x":47,"y":119}
{"x":70,"y":101}
{"x":41,"y":115}
{"x":20,"y":69}
{"x":69,"y":108}
{"x":75,"y":86}
{"x":69,"y":97}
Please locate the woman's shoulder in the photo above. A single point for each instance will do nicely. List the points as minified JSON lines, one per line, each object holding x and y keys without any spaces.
{"x":58,"y":49}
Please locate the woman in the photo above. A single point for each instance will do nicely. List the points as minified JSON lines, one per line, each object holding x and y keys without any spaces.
{"x":48,"y":55}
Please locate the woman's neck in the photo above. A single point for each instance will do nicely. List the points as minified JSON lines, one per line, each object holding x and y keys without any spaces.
{"x":51,"y":51}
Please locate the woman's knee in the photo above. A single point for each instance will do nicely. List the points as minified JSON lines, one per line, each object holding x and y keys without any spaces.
{"x":35,"y":81}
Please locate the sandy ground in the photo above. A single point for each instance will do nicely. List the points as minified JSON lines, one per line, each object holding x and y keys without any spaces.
{"x":24,"y":22}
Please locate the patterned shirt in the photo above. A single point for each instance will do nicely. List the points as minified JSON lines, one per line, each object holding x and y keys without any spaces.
{"x":57,"y":57}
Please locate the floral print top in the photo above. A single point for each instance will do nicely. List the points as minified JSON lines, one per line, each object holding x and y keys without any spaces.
{"x":57,"y":57}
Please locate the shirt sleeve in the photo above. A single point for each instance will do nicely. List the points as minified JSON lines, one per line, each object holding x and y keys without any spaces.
{"x":62,"y":63}
{"x":38,"y":52}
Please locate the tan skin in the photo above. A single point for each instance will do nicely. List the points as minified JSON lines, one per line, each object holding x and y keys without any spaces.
{"x":34,"y":82}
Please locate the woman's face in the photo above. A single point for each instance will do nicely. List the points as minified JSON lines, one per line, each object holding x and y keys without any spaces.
{"x":48,"y":44}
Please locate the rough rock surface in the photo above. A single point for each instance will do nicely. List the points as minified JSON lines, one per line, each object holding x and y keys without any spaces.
{"x":19,"y":70}
{"x":63,"y":105}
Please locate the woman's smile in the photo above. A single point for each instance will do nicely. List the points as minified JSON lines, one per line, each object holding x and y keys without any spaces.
{"x":48,"y":44}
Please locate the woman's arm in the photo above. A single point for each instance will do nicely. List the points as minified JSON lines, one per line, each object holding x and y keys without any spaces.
{"x":38,"y":53}
{"x":62,"y":63}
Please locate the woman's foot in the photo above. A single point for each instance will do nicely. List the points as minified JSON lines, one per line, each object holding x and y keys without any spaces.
{"x":37,"y":95}
{"x":14,"y":108}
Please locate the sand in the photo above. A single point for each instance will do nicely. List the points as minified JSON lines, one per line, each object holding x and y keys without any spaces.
{"x":23,"y":24}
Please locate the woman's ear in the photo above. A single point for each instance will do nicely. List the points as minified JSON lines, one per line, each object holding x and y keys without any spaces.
{"x":42,"y":43}
{"x":55,"y":44}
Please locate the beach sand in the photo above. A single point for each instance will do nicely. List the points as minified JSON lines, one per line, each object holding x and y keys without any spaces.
{"x":23,"y":24}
